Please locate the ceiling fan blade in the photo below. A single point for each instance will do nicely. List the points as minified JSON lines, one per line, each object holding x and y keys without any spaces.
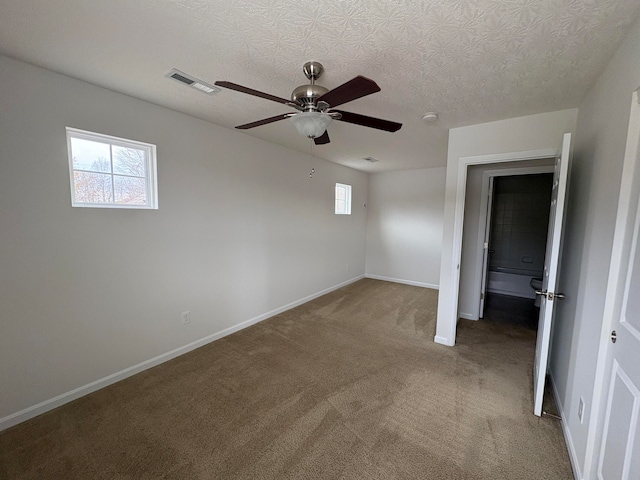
{"x":322,"y":139}
{"x":372,"y":122}
{"x":251,"y":91}
{"x":355,"y":88}
{"x":264,"y":121}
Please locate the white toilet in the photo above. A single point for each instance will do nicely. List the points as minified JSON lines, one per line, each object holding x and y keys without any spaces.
{"x":536,"y":284}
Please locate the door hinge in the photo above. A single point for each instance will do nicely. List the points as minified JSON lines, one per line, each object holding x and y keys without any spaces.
{"x":550,"y":295}
{"x":482,"y":296}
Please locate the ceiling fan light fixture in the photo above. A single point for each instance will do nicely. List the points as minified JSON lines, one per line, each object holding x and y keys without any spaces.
{"x":311,"y":124}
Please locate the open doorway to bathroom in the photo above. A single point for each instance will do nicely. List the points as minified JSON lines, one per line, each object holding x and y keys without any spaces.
{"x":515,"y":235}
{"x":474,"y":294}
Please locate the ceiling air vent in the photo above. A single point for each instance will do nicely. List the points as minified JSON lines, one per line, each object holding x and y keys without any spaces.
{"x":192,"y":81}
{"x":370,"y":159}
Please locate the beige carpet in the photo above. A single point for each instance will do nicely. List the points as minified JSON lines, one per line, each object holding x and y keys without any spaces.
{"x":348,"y":386}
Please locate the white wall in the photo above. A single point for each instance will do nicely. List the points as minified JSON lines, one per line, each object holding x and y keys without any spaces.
{"x":471,"y":258}
{"x":404,"y":226}
{"x":593,"y":196}
{"x":85,"y":293}
{"x":531,"y":133}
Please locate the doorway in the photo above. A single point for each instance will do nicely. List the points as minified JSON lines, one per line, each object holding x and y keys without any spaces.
{"x":450,"y":275}
{"x":514,"y":233}
{"x":477,"y":228}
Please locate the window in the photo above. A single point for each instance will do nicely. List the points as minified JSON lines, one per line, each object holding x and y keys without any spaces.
{"x":111,"y":172}
{"x":343,"y":199}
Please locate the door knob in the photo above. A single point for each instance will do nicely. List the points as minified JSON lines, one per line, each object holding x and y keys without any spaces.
{"x":541,"y":292}
{"x":614,"y":336}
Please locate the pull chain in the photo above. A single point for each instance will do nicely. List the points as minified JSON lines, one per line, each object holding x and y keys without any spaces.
{"x":313,"y":170}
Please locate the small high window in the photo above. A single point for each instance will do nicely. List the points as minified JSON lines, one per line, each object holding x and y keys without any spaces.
{"x":343,"y":199}
{"x":111,"y":172}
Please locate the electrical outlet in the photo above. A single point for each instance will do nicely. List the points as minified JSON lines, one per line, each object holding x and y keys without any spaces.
{"x":581,"y":409}
{"x":186,"y":317}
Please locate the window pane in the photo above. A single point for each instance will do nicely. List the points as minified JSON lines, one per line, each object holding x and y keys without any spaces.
{"x":343,"y":199}
{"x":110,"y":171}
{"x":129,"y":161}
{"x":88,"y":155}
{"x":92,"y":187}
{"x":131,"y":191}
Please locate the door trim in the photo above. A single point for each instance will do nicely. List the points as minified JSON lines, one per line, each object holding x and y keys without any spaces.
{"x":448,"y":306}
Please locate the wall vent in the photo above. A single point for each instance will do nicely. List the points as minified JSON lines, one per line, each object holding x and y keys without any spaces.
{"x":192,"y":82}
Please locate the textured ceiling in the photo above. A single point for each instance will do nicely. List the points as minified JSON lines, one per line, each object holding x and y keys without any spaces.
{"x":470,"y":60}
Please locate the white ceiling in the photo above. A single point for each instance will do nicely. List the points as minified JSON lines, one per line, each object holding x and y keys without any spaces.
{"x":470,"y":60}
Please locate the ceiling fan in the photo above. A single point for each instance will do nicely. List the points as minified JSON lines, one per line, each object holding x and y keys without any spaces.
{"x":315,"y":105}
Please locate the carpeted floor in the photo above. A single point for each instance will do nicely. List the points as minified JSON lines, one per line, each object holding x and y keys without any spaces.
{"x":348,"y":386}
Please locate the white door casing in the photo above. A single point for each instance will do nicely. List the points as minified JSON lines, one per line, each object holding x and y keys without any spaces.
{"x":616,"y":401}
{"x":551,"y":273}
{"x":450,"y":269}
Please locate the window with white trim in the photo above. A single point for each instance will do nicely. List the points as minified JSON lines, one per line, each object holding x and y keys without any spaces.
{"x":111,"y":172}
{"x":343,"y":199}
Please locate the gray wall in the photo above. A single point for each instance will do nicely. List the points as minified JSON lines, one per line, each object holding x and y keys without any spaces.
{"x":86,"y":293}
{"x":590,"y":217}
{"x":404,"y":226}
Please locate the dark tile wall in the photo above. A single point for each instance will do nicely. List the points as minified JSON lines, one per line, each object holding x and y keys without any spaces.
{"x":519,"y":225}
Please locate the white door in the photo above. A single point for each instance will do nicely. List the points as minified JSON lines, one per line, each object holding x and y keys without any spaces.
{"x":619,"y":449}
{"x":549,"y":292}
{"x":485,"y":250}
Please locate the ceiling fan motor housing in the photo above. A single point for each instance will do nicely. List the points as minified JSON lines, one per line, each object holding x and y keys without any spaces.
{"x":306,"y":96}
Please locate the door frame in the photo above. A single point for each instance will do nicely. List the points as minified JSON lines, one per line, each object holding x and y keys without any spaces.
{"x":484,"y":238}
{"x":448,"y":306}
{"x":613,"y":294}
{"x":485,"y":217}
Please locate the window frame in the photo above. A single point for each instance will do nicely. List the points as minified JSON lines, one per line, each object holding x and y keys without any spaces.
{"x":347,"y":200}
{"x":151,"y":174}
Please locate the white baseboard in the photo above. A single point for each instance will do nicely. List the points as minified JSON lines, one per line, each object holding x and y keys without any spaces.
{"x":50,"y":404}
{"x":442,"y":341}
{"x":577,"y":473}
{"x":406,"y":282}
